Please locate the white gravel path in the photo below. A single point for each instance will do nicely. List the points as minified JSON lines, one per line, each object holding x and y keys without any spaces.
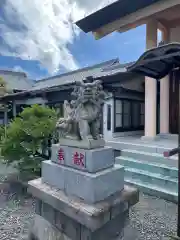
{"x":150,"y":219}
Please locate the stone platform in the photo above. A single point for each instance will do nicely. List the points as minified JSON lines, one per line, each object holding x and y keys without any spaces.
{"x":60,"y":217}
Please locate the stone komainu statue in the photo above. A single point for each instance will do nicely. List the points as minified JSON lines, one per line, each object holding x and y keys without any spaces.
{"x":82,"y":116}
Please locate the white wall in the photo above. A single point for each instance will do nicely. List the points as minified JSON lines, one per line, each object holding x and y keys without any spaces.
{"x":108,"y":134}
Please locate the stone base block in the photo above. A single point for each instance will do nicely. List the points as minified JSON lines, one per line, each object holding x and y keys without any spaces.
{"x":90,"y":160}
{"x":41,"y":229}
{"x":94,"y":187}
{"x":53,"y":174}
{"x":66,"y":229}
{"x":89,"y":144}
{"x":91,"y":187}
{"x":61,"y":217}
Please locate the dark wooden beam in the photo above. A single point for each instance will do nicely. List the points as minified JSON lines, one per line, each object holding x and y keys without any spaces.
{"x":145,"y":70}
{"x":163,"y":57}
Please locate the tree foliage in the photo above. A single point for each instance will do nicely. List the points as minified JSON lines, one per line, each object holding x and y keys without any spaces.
{"x":25,"y":136}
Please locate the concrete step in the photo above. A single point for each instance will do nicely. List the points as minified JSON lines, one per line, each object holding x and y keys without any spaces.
{"x":150,"y":157}
{"x":171,"y":137}
{"x":147,"y":166}
{"x":154,"y":190}
{"x":165,"y":182}
{"x":139,"y":146}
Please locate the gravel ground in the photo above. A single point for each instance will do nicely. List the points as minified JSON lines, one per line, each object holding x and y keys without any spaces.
{"x":16,"y":212}
{"x":151,"y":218}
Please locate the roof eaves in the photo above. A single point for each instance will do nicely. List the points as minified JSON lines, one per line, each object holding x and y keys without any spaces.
{"x":36,"y":91}
{"x":111,"y":73}
{"x":111,"y":13}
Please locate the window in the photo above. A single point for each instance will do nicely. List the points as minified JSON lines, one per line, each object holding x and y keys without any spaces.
{"x":142,"y":114}
{"x":128,"y":115}
{"x":135,"y":114}
{"x":108,"y":117}
{"x":59,"y":107}
{"x":118,"y":113}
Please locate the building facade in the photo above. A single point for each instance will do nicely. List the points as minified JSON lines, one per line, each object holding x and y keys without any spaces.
{"x":13,"y":82}
{"x":123,"y":111}
{"x":161,"y":97}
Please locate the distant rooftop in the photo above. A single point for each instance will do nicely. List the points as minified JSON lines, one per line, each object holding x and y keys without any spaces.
{"x":7,"y":71}
{"x":98,"y":70}
{"x":109,"y":68}
{"x":111,"y":13}
{"x":16,"y":80}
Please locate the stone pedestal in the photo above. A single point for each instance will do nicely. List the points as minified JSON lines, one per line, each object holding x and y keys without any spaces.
{"x":81,"y":194}
{"x":59,"y":217}
{"x":89,"y":174}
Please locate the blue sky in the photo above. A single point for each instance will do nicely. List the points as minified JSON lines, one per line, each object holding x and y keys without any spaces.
{"x":39,"y":37}
{"x":126,"y":46}
{"x":87,"y":51}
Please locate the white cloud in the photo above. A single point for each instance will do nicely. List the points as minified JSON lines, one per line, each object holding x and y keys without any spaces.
{"x":42,"y":29}
{"x":18,"y":69}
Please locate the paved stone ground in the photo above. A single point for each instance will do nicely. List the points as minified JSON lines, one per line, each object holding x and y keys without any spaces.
{"x":150,"y":219}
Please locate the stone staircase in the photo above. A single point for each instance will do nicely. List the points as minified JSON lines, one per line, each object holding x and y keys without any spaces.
{"x":150,"y":172}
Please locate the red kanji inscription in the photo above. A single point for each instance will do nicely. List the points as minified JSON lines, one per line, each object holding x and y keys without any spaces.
{"x":61,"y":154}
{"x":78,"y":159}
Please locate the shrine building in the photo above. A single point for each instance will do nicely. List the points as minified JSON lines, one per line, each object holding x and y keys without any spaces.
{"x":52,"y":91}
{"x":158,"y":62}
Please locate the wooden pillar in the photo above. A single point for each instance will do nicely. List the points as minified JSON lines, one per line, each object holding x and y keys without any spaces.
{"x":164,"y":94}
{"x":150,"y":84}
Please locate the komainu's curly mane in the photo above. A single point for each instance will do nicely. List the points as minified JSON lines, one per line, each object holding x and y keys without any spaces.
{"x":82,"y":115}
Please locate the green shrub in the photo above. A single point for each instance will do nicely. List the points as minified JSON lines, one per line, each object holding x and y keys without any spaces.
{"x":24,"y":138}
{"x":2,"y":132}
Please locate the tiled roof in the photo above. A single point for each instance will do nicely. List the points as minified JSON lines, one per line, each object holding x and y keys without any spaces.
{"x":99,"y":70}
{"x":104,"y":69}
